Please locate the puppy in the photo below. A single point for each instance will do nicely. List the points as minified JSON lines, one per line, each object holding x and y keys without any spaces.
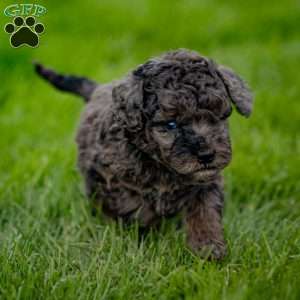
{"x":155,"y":143}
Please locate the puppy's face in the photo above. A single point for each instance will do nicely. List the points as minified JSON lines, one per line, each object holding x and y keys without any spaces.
{"x":175,"y":108}
{"x":192,"y":142}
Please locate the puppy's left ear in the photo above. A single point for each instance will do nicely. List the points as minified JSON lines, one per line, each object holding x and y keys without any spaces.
{"x":237,"y":89}
{"x":128,"y":96}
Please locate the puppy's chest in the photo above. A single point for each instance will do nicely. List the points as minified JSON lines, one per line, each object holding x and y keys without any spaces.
{"x":167,"y":199}
{"x":165,"y":195}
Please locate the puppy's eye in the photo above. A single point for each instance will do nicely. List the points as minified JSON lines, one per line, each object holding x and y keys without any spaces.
{"x":171,"y":125}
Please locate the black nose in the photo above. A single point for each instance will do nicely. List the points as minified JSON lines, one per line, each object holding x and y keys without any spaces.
{"x":207,"y":157}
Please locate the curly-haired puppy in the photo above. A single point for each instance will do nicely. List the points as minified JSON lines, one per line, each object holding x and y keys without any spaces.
{"x":154,"y":143}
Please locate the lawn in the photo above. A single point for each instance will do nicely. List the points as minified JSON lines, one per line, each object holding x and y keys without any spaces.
{"x":50,"y":245}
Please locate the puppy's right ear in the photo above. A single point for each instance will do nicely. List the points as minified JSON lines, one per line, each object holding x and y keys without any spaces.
{"x":237,"y":89}
{"x":128,"y":98}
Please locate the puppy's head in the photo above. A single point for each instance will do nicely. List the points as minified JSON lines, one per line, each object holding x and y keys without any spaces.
{"x":175,"y":108}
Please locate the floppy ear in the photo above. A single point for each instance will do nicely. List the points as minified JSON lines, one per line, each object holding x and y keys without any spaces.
{"x":237,"y":89}
{"x":128,"y":98}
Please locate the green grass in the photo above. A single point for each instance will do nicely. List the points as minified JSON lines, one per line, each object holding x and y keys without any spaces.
{"x":51,"y":247}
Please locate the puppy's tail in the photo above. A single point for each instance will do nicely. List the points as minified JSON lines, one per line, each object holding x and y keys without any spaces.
{"x":80,"y":86}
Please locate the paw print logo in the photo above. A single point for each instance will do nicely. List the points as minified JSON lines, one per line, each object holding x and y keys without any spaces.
{"x":24,"y":32}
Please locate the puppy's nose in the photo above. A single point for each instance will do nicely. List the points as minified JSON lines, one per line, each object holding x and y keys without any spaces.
{"x":207,"y":157}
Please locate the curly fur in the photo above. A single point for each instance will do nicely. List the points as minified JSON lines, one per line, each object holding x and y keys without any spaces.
{"x":138,"y":169}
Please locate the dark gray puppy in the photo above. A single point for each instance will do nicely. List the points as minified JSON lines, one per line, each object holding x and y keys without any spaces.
{"x":154,"y":143}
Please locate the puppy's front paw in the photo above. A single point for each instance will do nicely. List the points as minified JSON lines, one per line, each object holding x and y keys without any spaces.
{"x":209,"y":250}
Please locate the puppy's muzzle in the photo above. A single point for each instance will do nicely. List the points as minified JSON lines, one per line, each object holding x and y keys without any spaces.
{"x":206,"y":157}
